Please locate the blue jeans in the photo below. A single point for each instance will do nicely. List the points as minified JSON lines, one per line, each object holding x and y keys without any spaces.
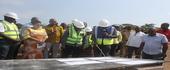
{"x":4,"y":49}
{"x":52,"y":50}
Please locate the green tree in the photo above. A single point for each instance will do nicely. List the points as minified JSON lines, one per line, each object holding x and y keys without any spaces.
{"x":147,"y":26}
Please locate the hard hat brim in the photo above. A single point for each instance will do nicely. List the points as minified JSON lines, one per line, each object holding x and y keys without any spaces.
{"x":80,"y":27}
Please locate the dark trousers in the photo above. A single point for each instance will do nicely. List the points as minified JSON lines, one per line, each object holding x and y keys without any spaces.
{"x":133,"y":49}
{"x":113,"y":49}
{"x":13,"y":51}
{"x":119,"y":47}
{"x":87,"y":52}
{"x":4,"y":48}
{"x":154,"y":57}
{"x":102,"y":50}
{"x":72,"y":50}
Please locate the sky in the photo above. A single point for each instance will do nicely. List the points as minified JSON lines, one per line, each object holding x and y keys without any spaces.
{"x":137,"y":12}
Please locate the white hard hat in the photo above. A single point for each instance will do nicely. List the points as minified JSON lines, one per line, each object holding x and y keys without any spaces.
{"x":88,"y":29}
{"x":78,"y":23}
{"x":104,"y":23}
{"x":74,"y":20}
{"x":12,"y":15}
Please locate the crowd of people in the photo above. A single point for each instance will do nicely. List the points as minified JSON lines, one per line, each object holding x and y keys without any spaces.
{"x":77,"y":39}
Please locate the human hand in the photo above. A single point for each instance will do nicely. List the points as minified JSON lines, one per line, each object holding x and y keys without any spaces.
{"x":164,"y":56}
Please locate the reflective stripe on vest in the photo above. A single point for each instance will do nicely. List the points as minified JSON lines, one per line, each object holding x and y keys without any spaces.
{"x":90,"y":39}
{"x":11,"y":30}
{"x":105,"y":41}
{"x":74,"y":37}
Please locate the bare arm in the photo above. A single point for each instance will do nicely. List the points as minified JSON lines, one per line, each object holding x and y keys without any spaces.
{"x":141,"y":46}
{"x":165,"y":47}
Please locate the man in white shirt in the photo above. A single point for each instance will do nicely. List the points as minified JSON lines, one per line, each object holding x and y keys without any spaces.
{"x":154,"y":45}
{"x":134,"y":42}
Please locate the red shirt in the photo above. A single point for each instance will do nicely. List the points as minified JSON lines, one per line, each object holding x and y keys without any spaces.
{"x":166,"y":33}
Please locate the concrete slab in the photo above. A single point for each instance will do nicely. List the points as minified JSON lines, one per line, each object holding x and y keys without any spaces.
{"x":92,"y":63}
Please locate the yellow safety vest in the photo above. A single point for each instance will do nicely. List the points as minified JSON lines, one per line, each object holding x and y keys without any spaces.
{"x":74,"y":37}
{"x":11,"y":30}
{"x":89,"y":41}
{"x":118,"y":39}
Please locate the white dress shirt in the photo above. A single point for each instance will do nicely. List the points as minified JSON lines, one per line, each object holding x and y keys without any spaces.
{"x":135,"y":39}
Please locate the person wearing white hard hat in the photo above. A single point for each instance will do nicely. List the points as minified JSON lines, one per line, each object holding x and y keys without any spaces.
{"x":73,"y":39}
{"x":103,"y":37}
{"x":9,"y":36}
{"x":104,"y":23}
{"x":87,"y":50}
{"x":88,"y":29}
